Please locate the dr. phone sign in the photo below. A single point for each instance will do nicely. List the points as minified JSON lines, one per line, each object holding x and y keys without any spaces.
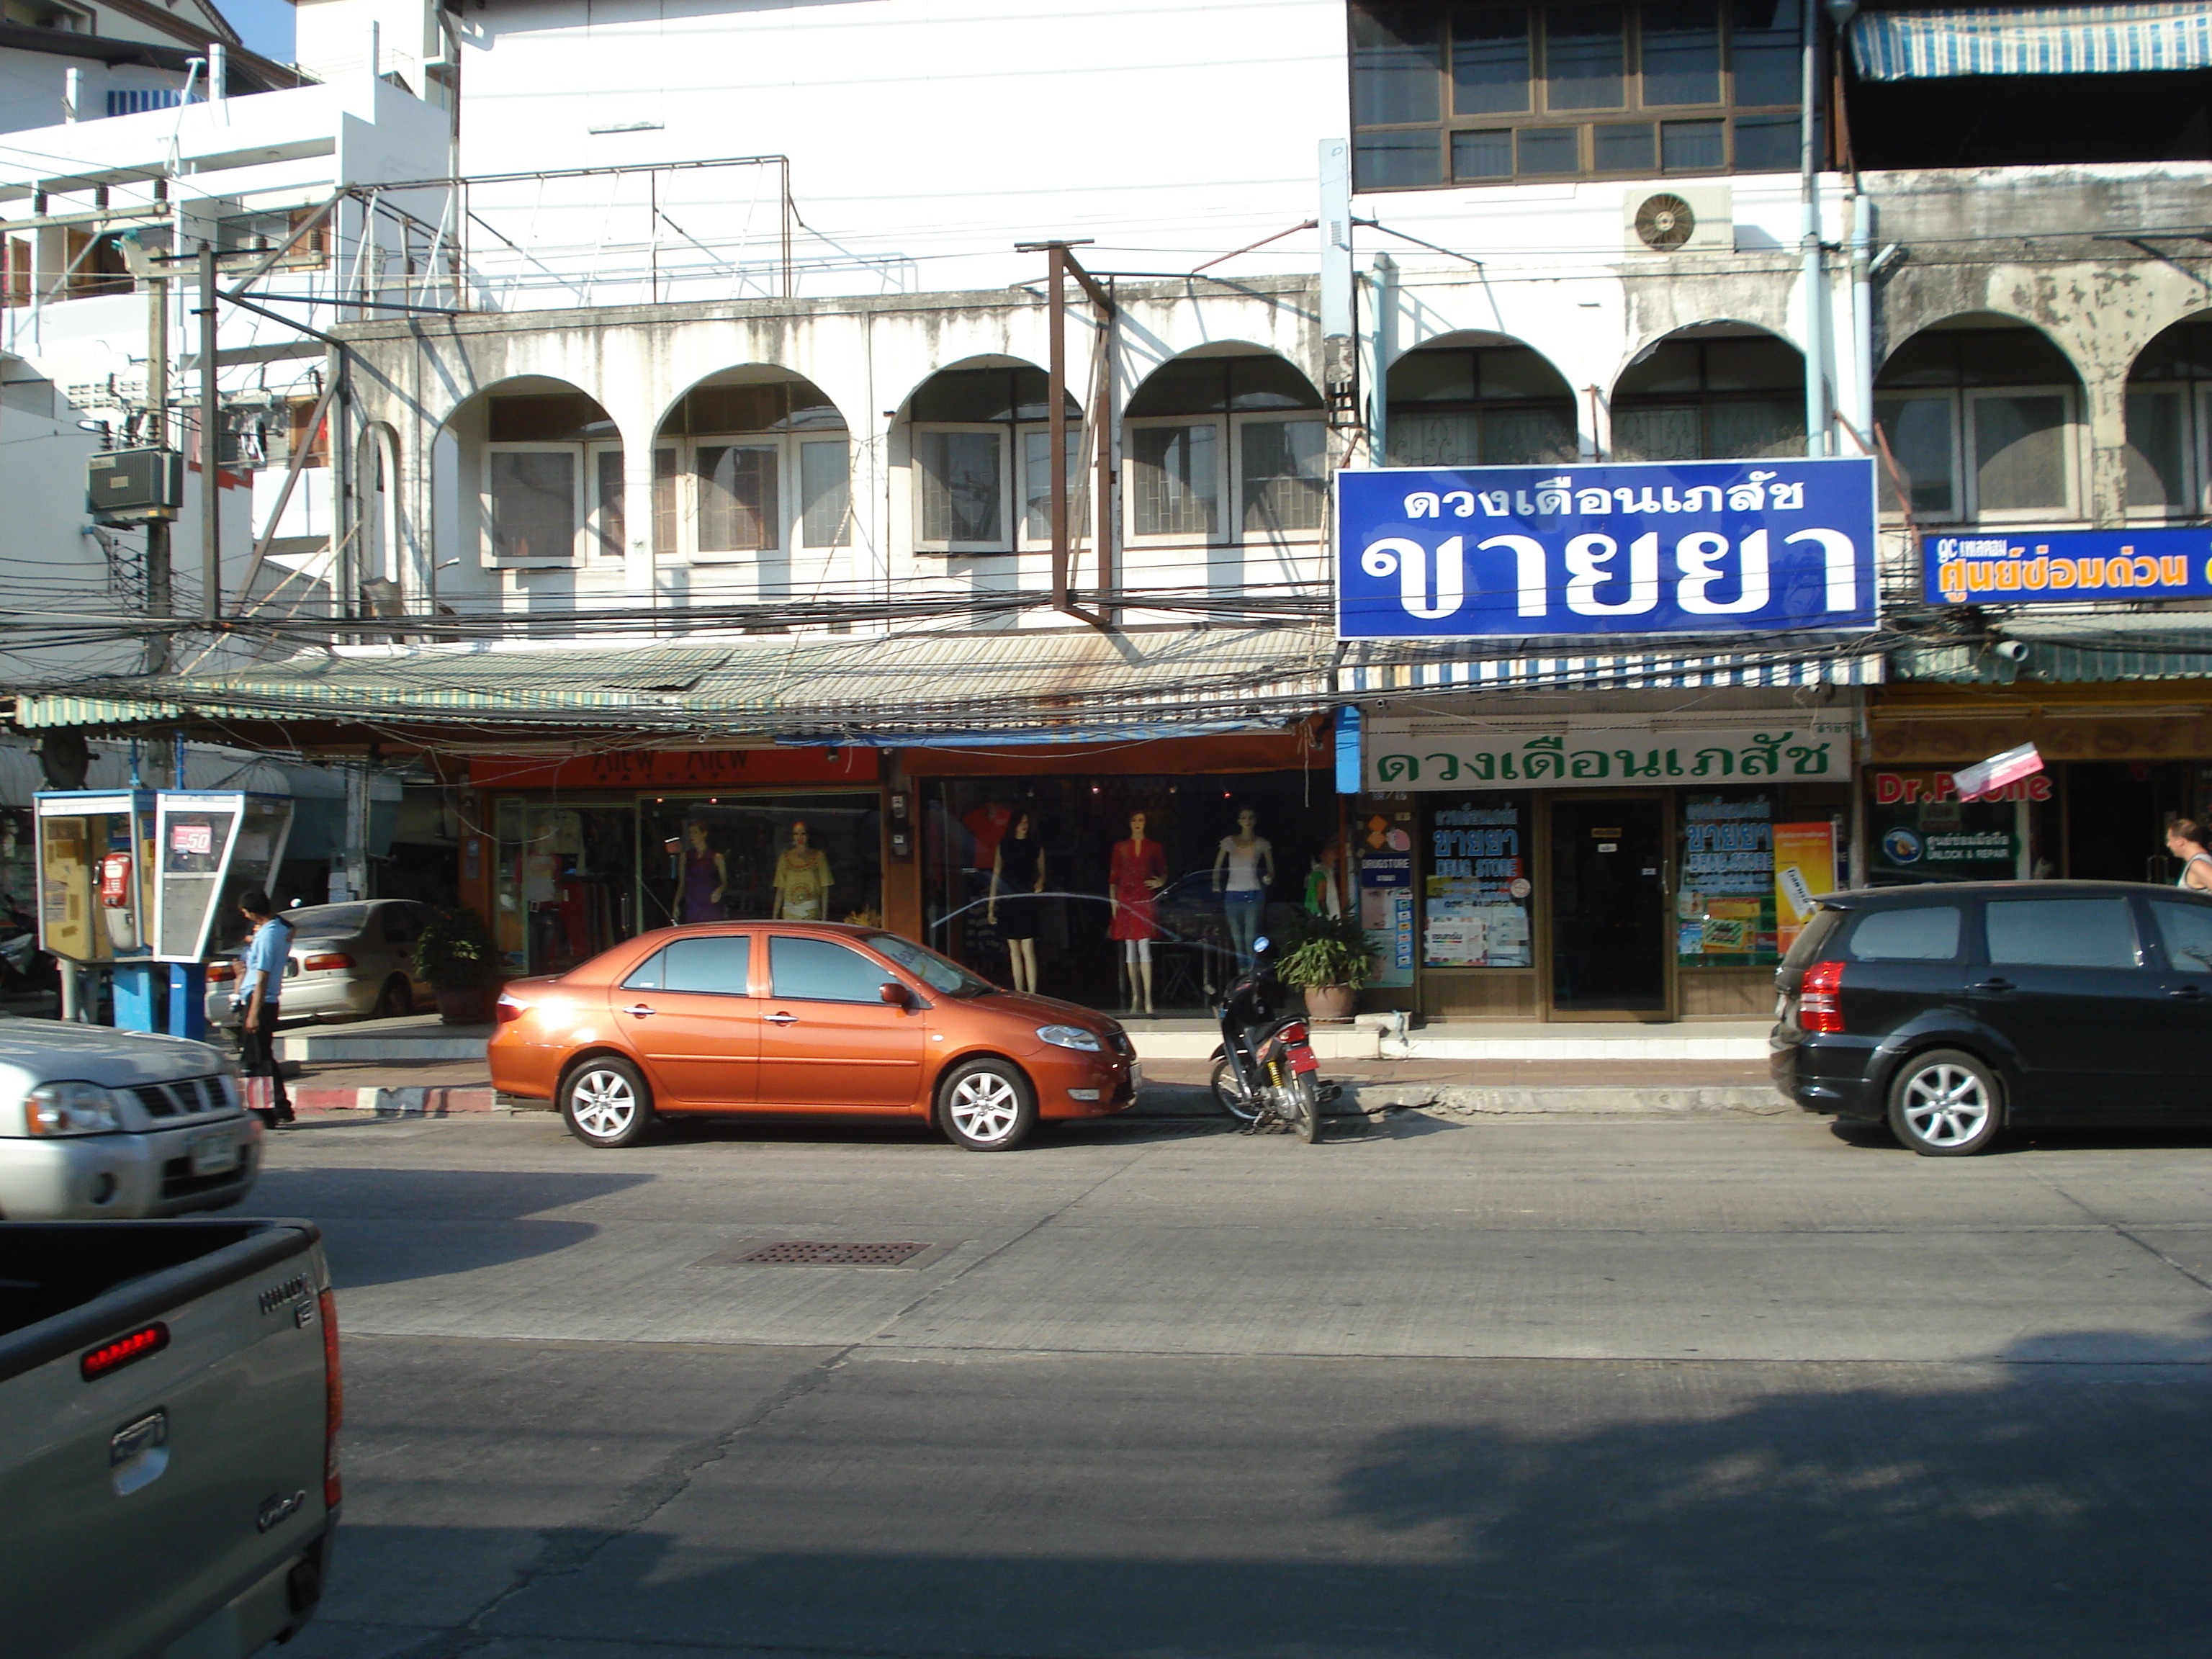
{"x":1689,"y":547}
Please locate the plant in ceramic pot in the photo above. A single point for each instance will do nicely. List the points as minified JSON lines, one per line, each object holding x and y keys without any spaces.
{"x":456,"y":957}
{"x":1329,"y":961}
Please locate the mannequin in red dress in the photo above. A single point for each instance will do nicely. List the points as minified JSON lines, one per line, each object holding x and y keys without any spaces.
{"x":1139,"y":871}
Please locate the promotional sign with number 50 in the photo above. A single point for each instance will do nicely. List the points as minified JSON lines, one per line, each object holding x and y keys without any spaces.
{"x":1682,"y":547}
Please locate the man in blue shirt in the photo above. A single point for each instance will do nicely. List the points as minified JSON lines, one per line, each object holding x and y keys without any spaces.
{"x":260,"y":983}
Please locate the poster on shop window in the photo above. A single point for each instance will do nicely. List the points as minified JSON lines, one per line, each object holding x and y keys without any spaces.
{"x":1384,"y":849}
{"x":1725,"y":904}
{"x":1476,"y":908}
{"x":1918,"y":830}
{"x":1679,"y":547}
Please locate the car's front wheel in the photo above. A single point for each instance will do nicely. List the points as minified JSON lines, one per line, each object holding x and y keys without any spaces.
{"x":607,"y":1103}
{"x":1945,"y":1104}
{"x":987,"y":1106}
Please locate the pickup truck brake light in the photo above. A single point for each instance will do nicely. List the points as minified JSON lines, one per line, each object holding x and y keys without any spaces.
{"x":1820,"y":999}
{"x":333,"y":1402}
{"x":123,"y":1351}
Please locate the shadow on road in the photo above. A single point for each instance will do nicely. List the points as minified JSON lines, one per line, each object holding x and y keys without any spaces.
{"x":1636,"y":1509}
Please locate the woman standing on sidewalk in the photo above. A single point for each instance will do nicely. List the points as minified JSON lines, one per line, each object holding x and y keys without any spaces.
{"x":260,"y":983}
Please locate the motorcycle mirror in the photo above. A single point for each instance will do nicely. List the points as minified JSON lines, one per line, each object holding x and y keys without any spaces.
{"x":1260,"y":943}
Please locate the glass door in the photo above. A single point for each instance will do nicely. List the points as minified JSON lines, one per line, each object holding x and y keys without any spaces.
{"x":1608,"y":892}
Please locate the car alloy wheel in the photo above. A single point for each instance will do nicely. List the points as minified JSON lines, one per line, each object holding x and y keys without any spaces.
{"x":606,"y":1102}
{"x":987,"y":1106}
{"x":1945,"y":1104}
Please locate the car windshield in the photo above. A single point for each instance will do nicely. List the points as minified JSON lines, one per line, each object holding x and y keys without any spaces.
{"x":938,"y":973}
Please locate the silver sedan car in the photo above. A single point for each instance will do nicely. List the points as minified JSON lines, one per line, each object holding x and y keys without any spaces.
{"x":351,"y":960}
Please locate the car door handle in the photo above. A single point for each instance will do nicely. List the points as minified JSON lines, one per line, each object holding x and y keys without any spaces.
{"x":639,"y":1010}
{"x":781,"y":1019}
{"x":2194,"y":992}
{"x":1991,"y":985}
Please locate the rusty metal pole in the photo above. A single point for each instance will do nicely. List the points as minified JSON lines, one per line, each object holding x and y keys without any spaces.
{"x":1103,"y":420}
{"x":211,"y":443}
{"x":1056,"y":391}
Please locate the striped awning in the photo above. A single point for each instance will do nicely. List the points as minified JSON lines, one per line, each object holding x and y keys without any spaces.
{"x":1905,"y":45}
{"x":1371,"y":668}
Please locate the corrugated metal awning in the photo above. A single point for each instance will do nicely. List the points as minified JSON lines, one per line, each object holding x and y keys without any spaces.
{"x":1029,"y":687}
{"x":2112,"y":40}
{"x":2086,"y":649}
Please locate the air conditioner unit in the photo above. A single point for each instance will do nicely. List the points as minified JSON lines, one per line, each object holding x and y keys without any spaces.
{"x":130,"y":486}
{"x":1678,"y":219}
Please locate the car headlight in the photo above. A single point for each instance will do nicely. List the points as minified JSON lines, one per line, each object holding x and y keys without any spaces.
{"x":1071,"y":1036}
{"x":70,"y":1108}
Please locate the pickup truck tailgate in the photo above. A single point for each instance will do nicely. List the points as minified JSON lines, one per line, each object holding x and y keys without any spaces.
{"x":162,"y":1440}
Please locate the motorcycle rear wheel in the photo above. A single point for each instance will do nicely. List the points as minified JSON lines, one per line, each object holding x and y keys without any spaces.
{"x":1307,"y":1092}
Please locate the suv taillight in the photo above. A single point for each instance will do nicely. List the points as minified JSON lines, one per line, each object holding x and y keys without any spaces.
{"x":333,"y":1402}
{"x":1821,"y":999}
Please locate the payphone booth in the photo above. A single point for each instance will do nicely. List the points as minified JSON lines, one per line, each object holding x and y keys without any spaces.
{"x":140,"y":882}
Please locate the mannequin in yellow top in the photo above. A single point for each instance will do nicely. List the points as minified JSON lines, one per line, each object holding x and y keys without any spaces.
{"x":802,"y":880}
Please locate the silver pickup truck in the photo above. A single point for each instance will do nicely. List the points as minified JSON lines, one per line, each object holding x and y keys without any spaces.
{"x":96,"y":1123}
{"x":169,"y":1406}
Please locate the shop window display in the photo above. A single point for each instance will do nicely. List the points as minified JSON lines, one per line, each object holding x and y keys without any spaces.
{"x":1084,"y":946}
{"x":792,"y":858}
{"x":1476,"y":909}
{"x":1725,"y":903}
{"x":563,"y":892}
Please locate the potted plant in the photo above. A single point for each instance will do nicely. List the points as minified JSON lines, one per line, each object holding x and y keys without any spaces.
{"x":456,"y":957}
{"x":1329,"y":962}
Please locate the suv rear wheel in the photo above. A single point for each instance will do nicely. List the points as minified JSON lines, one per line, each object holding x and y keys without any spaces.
{"x":1945,"y":1104}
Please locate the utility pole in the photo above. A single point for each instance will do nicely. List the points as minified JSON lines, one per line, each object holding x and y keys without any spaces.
{"x":158,"y":603}
{"x":210,"y":444}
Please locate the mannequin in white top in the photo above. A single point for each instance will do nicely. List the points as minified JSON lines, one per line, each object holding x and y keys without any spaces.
{"x":1243,"y":868}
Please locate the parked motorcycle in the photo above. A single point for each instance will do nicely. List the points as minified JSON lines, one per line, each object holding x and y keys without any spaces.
{"x":1265,"y":1069}
{"x":23,"y":966}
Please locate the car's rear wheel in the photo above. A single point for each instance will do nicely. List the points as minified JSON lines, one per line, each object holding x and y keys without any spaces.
{"x":1945,"y":1104}
{"x":606,"y":1103}
{"x":396,"y":998}
{"x":987,"y":1106}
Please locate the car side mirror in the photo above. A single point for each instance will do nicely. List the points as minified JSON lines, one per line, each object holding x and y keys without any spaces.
{"x":893,"y":992}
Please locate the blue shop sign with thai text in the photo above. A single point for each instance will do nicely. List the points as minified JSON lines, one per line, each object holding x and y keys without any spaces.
{"x":2065,"y":566}
{"x":1681,"y":547}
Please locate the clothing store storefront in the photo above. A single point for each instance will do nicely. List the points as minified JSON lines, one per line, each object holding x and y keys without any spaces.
{"x":2120,"y":760}
{"x":1043,"y":845}
{"x":569,"y":856}
{"x":1605,"y":864}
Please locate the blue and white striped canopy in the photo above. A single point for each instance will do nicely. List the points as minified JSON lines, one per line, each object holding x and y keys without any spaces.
{"x":1904,"y":45}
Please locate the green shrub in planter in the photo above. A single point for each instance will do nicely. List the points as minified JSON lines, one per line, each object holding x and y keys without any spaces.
{"x":456,"y":953}
{"x":1327,"y":951}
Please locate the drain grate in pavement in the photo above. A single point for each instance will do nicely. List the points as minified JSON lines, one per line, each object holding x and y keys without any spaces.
{"x":806,"y":1253}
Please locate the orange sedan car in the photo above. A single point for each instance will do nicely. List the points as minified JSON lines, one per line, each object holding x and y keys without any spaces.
{"x":728,"y":1017}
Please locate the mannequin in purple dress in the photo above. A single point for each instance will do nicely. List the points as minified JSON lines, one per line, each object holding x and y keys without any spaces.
{"x":705,"y":875}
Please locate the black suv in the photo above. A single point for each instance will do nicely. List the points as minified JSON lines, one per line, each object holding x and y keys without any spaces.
{"x":1952,"y":1011}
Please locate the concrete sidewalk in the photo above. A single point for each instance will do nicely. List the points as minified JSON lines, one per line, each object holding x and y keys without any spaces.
{"x":1178,"y":1088}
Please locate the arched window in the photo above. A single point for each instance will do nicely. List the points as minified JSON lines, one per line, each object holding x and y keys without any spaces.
{"x":1204,"y":432}
{"x":1714,"y":396}
{"x":1981,"y":414}
{"x":545,"y":478}
{"x":2169,"y":419}
{"x":744,"y":467}
{"x":981,"y":441}
{"x":1491,"y":405}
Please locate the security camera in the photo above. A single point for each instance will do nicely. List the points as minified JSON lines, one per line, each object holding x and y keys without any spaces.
{"x":2011,"y":650}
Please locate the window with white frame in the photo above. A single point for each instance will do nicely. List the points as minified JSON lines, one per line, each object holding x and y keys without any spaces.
{"x":747,"y":470}
{"x":544,"y":455}
{"x":982,"y":481}
{"x":1500,"y":405}
{"x":1712,"y":398}
{"x":1981,"y":424}
{"x":2169,"y":401}
{"x":1223,"y":449}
